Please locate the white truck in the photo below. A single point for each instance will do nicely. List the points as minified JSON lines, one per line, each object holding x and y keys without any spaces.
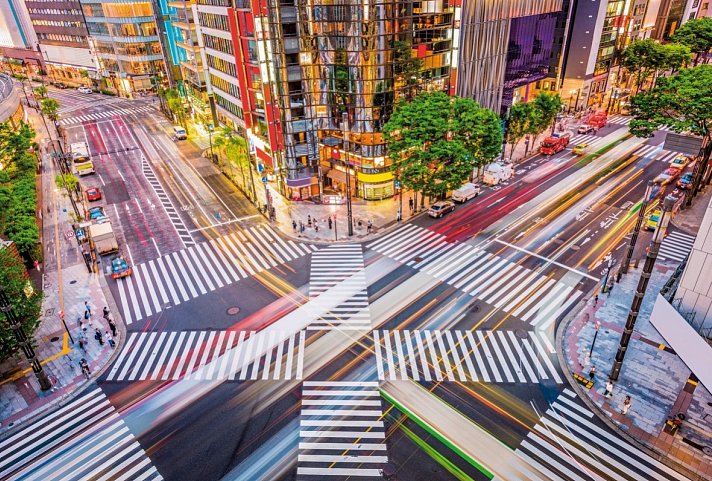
{"x":497,"y":172}
{"x":466,"y":192}
{"x":103,"y":237}
{"x":81,"y":159}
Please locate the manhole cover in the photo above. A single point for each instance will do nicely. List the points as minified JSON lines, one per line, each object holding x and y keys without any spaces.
{"x":72,"y":282}
{"x":521,"y":333}
{"x":49,"y":311}
{"x":54,"y":339}
{"x":233,"y":311}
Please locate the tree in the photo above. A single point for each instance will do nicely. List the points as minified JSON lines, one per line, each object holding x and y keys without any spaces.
{"x":675,"y":56}
{"x":435,"y":141}
{"x":697,"y":35}
{"x":26,"y":301}
{"x":524,"y":119}
{"x":67,"y":180}
{"x":549,"y":106}
{"x":643,"y":58}
{"x":50,"y":109}
{"x":175,"y":104}
{"x":41,"y":91}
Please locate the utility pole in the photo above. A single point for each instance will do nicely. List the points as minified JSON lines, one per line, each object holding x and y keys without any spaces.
{"x":349,"y":213}
{"x":609,"y":258}
{"x":25,"y":344}
{"x":638,"y":225}
{"x":658,"y":237}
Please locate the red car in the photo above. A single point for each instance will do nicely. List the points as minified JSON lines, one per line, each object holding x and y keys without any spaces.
{"x":93,"y":193}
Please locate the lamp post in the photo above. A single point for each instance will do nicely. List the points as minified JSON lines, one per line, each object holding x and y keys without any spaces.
{"x":25,"y":344}
{"x":638,"y":225}
{"x":209,"y":126}
{"x":609,"y":257}
{"x":642,"y":285}
{"x":349,"y":213}
{"x":597,"y":327}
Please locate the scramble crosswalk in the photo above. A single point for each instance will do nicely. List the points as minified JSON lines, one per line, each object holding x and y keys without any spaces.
{"x":676,"y":246}
{"x":83,"y":440}
{"x":533,"y":296}
{"x":341,"y":431}
{"x":334,"y":268}
{"x":583,"y":139}
{"x":466,"y":356}
{"x":619,"y":119}
{"x":210,"y":356}
{"x":656,"y":152}
{"x":566,"y":444}
{"x":185,"y":274}
{"x":106,"y":114}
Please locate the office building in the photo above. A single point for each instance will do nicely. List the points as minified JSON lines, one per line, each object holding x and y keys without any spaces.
{"x":18,"y":42}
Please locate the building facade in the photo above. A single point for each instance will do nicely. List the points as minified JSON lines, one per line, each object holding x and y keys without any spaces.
{"x":18,"y":41}
{"x":126,"y":41}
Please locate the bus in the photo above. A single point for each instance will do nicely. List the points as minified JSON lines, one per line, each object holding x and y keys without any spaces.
{"x":81,"y":160}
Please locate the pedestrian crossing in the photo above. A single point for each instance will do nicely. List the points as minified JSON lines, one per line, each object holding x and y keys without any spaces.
{"x":533,"y":296}
{"x":566,"y":444}
{"x":210,"y":356}
{"x":655,"y":152}
{"x":188,"y":273}
{"x":676,"y":246}
{"x":620,"y":119}
{"x":583,"y":139}
{"x":465,"y":356}
{"x":106,"y":114}
{"x":178,"y":224}
{"x":333,"y":269}
{"x":83,"y":440}
{"x":341,"y":431}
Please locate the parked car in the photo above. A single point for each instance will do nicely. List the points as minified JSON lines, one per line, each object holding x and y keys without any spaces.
{"x":93,"y":193}
{"x":96,"y":213}
{"x":680,"y":162}
{"x":60,"y":85}
{"x":441,"y":208}
{"x":84,"y":90}
{"x":670,"y":174}
{"x":179,"y":133}
{"x":466,"y":192}
{"x":585,"y":129}
{"x":685,"y":181}
{"x":580,"y":149}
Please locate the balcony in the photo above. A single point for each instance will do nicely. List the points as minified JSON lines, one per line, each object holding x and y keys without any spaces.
{"x":120,"y":20}
{"x":132,"y":39}
{"x":187,"y":47}
{"x":130,"y":58}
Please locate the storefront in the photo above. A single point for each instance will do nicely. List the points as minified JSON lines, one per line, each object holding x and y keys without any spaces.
{"x":376,"y":186}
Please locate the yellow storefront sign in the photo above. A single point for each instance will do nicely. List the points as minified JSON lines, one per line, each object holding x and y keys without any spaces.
{"x":375,"y":178}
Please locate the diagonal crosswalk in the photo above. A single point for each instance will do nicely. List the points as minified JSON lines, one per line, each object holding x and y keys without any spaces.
{"x":338,"y":268}
{"x":106,"y":114}
{"x":209,"y":356}
{"x":84,"y":439}
{"x":188,"y":273}
{"x":566,"y":444}
{"x":676,"y":246}
{"x":465,"y":356}
{"x":341,"y":431}
{"x":531,"y":295}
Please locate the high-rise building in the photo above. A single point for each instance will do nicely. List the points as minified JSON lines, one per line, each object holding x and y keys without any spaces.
{"x":126,"y":41}
{"x":312,"y":85}
{"x":506,"y":47}
{"x":18,"y":42}
{"x":669,"y":17}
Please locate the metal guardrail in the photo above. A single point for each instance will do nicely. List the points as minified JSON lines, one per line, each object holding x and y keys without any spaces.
{"x":670,"y":288}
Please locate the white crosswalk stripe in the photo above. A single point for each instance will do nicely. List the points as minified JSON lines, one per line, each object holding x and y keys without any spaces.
{"x":341,"y":431}
{"x":479,"y":356}
{"x":188,"y":273}
{"x":528,"y":294}
{"x":647,"y":151}
{"x":209,"y":356}
{"x":176,"y":220}
{"x":676,"y":246}
{"x":583,"y":138}
{"x":106,"y":114}
{"x":84,"y":439}
{"x":566,"y":444}
{"x":666,"y":156}
{"x":335,"y":268}
{"x":620,"y":119}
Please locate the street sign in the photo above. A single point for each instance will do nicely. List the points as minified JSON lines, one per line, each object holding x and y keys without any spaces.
{"x":264,"y":179}
{"x":397,"y":183}
{"x":69,"y":234}
{"x":260,"y":168}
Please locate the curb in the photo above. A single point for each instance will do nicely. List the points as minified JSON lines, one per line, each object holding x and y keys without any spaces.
{"x":602,"y":415}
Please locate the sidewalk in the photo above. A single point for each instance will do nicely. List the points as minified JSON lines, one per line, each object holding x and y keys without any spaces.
{"x":652,"y":375}
{"x":20,"y":395}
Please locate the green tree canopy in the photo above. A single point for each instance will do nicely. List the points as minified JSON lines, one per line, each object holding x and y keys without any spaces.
{"x":41,"y":91}
{"x":642,"y":58}
{"x":696,"y":34}
{"x":675,"y":56}
{"x":682,"y":101}
{"x":549,"y":106}
{"x":435,"y":141}
{"x":50,"y":109}
{"x":524,"y":119}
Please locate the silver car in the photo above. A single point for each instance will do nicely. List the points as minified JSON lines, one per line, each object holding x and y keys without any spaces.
{"x":441,"y":208}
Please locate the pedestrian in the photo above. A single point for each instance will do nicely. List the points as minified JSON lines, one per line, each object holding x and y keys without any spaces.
{"x":595,"y":300}
{"x":618,"y":276}
{"x":109,"y":339}
{"x":85,"y":367}
{"x":87,"y":307}
{"x":86,"y":315}
{"x":398,"y":216}
{"x":98,"y":336}
{"x":106,"y":313}
{"x":316,"y":225}
{"x":82,"y":326}
{"x":82,"y":343}
{"x":626,"y":405}
{"x":112,"y":326}
{"x":55,"y":383}
{"x":330,"y":223}
{"x":410,"y":204}
{"x":309,"y":222}
{"x":294,"y":225}
{"x":301,"y":227}
{"x":592,"y":372}
{"x":369,"y":226}
{"x":609,"y":389}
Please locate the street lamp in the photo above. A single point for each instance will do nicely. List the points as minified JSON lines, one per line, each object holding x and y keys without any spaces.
{"x":609,"y":257}
{"x":638,"y":225}
{"x":642,"y":285}
{"x":209,"y":127}
{"x":349,"y":214}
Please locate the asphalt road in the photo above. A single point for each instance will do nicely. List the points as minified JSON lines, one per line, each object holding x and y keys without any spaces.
{"x":220,"y":376}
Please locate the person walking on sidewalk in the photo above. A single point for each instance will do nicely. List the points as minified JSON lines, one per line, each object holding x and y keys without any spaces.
{"x":106,"y":313}
{"x":85,"y":368}
{"x":109,"y":339}
{"x":595,"y":300}
{"x":294,"y":225}
{"x":112,"y":326}
{"x":369,"y":226}
{"x":592,"y":372}
{"x":626,"y":405}
{"x":410,"y":204}
{"x":98,"y":336}
{"x":330,"y":223}
{"x":87,"y":307}
{"x":609,"y":389}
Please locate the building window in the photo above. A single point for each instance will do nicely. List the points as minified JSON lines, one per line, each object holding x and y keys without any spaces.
{"x":217,"y":43}
{"x":225,"y":86}
{"x":222,"y":65}
{"x":212,"y":20}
